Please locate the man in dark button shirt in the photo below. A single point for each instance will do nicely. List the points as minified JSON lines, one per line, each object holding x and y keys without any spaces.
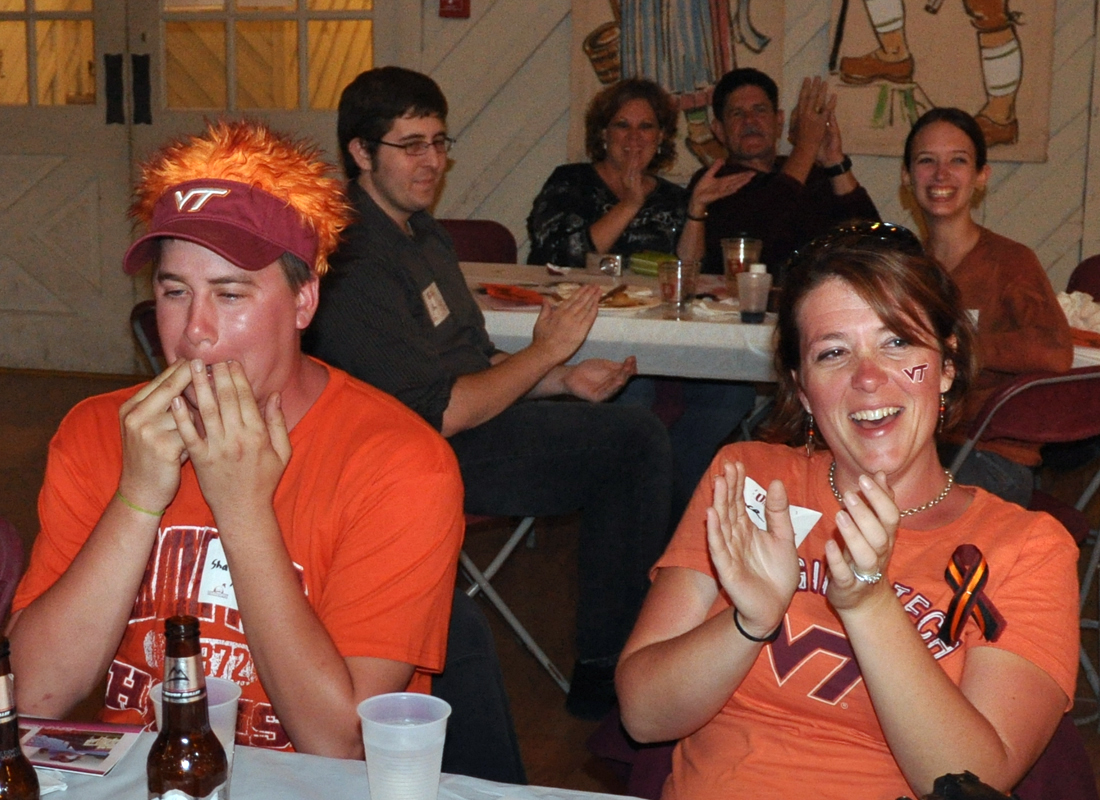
{"x":784,"y":200}
{"x":397,"y":314}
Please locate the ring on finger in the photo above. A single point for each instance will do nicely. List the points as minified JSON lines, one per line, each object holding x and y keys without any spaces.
{"x":870,"y":580}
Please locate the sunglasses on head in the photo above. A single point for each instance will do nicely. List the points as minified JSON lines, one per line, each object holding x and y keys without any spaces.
{"x":864,"y":233}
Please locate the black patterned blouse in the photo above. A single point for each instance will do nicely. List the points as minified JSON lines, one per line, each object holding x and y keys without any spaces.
{"x":575,"y":196}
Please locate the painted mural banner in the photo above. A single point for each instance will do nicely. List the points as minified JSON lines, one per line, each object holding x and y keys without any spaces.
{"x":683,"y":45}
{"x":892,"y":60}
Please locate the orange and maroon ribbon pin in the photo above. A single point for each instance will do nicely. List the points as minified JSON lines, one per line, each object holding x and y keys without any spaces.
{"x":967,"y":574}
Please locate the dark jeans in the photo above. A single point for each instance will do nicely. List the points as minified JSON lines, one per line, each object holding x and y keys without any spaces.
{"x":994,"y":473}
{"x":711,"y":411}
{"x":481,"y":739}
{"x":550,"y":457}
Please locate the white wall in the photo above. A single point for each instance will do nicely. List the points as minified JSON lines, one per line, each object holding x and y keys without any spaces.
{"x":506,"y":75}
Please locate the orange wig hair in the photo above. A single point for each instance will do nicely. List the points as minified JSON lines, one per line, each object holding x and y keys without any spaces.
{"x":249,"y":152}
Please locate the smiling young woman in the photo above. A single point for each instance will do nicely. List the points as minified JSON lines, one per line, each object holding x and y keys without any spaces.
{"x":1020,"y":326}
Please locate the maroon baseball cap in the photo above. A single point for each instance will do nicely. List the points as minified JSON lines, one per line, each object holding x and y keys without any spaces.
{"x":242,"y":224}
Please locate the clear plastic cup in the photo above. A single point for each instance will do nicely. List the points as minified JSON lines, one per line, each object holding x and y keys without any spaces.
{"x":677,"y":282}
{"x":403,"y":736}
{"x":737,"y":253}
{"x":222,"y":697}
{"x":755,"y":286}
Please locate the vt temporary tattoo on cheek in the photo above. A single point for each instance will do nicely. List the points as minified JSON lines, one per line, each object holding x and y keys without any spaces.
{"x":916,"y":374}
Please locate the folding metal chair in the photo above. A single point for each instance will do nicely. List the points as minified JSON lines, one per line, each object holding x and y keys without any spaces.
{"x":480,"y":582}
{"x":1050,"y":407}
{"x":1086,"y":278}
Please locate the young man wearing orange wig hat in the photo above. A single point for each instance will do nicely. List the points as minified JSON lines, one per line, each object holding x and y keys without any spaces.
{"x":248,"y":484}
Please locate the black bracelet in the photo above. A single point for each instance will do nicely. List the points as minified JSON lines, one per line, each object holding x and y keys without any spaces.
{"x":698,"y":219}
{"x":766,"y":640}
{"x":836,"y":170}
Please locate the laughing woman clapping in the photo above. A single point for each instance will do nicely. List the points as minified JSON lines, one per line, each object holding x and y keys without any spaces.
{"x":828,"y":654}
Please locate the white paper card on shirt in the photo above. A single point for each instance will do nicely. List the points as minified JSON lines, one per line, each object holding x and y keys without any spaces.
{"x":436,"y":305}
{"x":974,"y":313}
{"x":802,"y":519}
{"x":216,"y":586}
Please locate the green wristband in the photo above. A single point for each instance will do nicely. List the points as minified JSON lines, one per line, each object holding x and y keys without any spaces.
{"x":135,"y":507}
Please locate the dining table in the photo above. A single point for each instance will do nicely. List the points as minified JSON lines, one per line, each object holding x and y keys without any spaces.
{"x":1086,"y":356}
{"x":713,"y":343}
{"x":260,"y":774}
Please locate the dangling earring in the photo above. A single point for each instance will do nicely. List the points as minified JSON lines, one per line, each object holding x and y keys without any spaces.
{"x":810,"y":437}
{"x":943,"y":408}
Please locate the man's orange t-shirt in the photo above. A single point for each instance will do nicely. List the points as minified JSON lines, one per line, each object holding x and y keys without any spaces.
{"x":801,"y":723}
{"x":370,"y":508}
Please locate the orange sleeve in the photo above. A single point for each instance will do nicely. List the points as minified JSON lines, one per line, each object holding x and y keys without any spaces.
{"x":82,"y":471}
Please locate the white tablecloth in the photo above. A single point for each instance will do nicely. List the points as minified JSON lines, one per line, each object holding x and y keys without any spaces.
{"x":268,"y":775}
{"x":1086,"y":357}
{"x":698,"y":348}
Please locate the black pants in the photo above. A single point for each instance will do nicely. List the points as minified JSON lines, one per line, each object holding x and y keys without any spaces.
{"x":611,"y":462}
{"x":481,"y":740}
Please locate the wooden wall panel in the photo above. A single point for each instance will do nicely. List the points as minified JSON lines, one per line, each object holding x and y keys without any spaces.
{"x":505,"y":72}
{"x":529,"y":105}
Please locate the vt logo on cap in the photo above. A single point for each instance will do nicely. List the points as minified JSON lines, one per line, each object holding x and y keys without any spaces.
{"x":242,"y":191}
{"x":195,"y":199}
{"x":241,"y":223}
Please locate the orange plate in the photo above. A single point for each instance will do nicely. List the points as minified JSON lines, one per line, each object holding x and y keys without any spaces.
{"x":1085,"y":338}
{"x":513,"y":294}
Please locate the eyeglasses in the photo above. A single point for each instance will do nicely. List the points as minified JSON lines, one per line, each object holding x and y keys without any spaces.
{"x":419,"y":147}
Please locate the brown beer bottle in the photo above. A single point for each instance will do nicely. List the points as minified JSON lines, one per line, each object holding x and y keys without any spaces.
{"x":18,"y":780}
{"x":186,"y":762}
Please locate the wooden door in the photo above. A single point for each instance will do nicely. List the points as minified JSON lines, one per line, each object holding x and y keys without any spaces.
{"x":63,"y":188}
{"x":89,"y":88}
{"x":284,"y":61}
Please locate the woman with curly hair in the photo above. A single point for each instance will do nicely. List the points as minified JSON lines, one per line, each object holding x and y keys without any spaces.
{"x":616,"y":203}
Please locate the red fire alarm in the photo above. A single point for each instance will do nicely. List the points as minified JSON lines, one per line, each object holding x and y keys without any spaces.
{"x":454,"y":9}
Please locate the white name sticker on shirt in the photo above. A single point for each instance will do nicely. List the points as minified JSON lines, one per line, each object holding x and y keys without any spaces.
{"x":973,"y":313}
{"x":217,"y":584}
{"x":802,"y":519}
{"x":436,"y":305}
